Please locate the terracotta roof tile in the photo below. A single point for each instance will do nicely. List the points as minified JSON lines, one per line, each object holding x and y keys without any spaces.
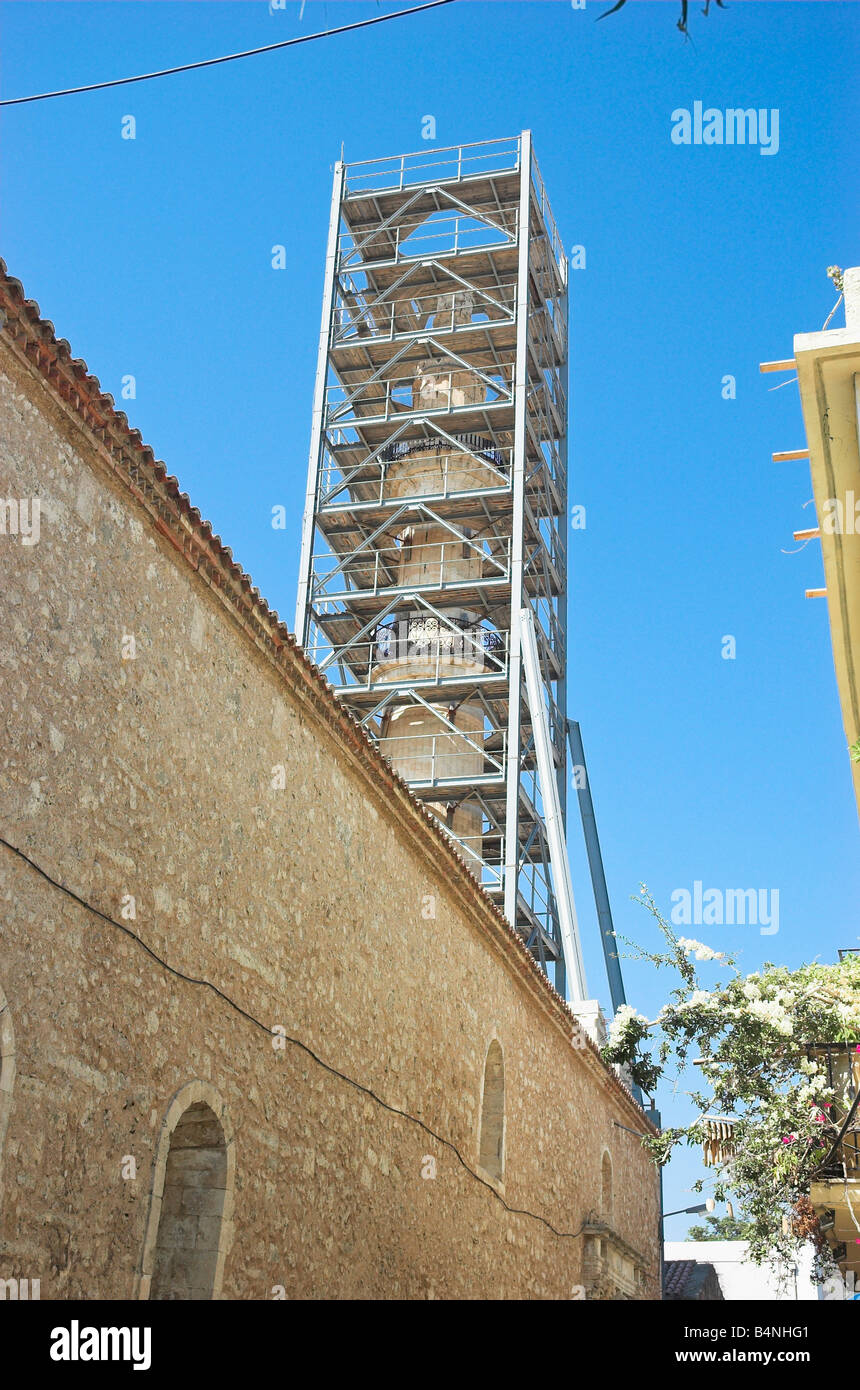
{"x":675,"y":1276}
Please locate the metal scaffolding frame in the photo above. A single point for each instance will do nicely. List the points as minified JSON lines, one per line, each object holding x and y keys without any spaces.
{"x":412,"y":239}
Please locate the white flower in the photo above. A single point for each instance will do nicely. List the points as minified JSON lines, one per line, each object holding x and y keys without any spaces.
{"x":768,"y":1011}
{"x":696,"y":1000}
{"x":702,"y":952}
{"x":622,"y":1021}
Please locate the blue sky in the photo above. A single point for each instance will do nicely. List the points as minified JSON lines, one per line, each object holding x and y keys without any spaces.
{"x":153,"y":257}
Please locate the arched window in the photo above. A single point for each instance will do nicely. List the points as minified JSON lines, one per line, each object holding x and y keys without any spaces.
{"x":606,"y":1188}
{"x":189,"y":1227}
{"x":7,"y":1073}
{"x":492,"y":1138}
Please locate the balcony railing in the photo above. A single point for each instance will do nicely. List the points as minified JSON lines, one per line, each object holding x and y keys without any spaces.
{"x":411,"y":652}
{"x":358,"y":316}
{"x":433,"y":392}
{"x":442,"y":759}
{"x":553,"y":235}
{"x":450,"y":165}
{"x":439,"y":234}
{"x":409,"y":566}
{"x":369,"y":482}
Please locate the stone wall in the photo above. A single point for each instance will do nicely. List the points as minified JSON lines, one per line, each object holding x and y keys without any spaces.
{"x":172,"y":759}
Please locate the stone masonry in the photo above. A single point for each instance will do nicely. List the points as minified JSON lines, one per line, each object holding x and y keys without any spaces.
{"x":172,"y":758}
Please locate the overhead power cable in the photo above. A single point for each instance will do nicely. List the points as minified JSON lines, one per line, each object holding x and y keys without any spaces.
{"x":229,"y":57}
{"x":295,"y":1042}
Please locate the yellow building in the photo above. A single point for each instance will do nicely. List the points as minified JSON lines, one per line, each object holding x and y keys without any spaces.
{"x":828,"y":373}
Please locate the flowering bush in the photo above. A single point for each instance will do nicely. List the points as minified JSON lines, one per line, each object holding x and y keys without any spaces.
{"x":749,"y":1038}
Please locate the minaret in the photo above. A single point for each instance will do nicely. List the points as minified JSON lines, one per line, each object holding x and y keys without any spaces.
{"x":420,"y":739}
{"x":435,"y":519}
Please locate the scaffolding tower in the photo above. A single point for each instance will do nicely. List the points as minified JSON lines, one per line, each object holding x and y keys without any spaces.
{"x":435,"y":520}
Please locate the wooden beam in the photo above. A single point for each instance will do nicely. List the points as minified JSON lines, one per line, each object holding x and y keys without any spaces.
{"x":811,"y":535}
{"x":788,"y":454}
{"x":777,"y":366}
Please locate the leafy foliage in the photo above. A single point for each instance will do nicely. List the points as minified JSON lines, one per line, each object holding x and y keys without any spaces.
{"x":749,"y":1038}
{"x":721,"y":1228}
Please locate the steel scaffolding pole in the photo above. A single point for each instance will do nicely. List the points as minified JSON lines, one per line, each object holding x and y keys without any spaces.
{"x":512,"y":839}
{"x":552,"y":811}
{"x":309,"y":519}
{"x":595,"y":865}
